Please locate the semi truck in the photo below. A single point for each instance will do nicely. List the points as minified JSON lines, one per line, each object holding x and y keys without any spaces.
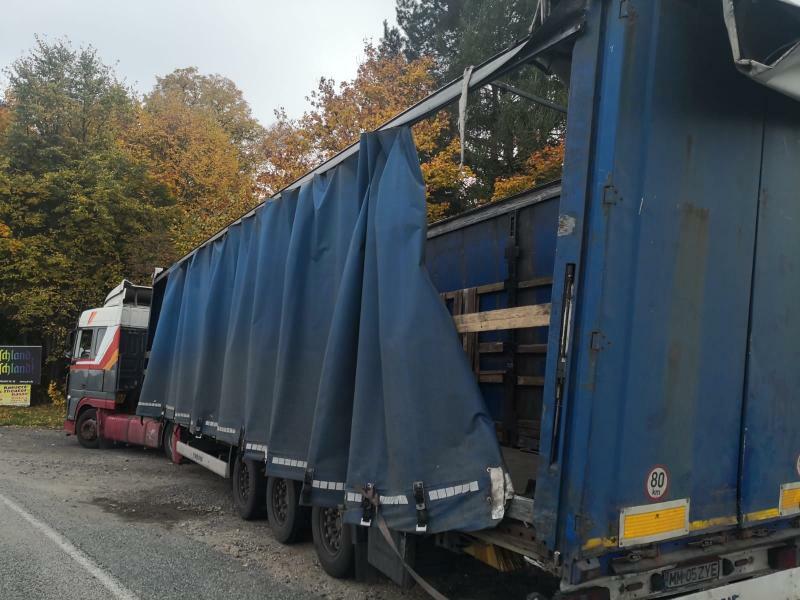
{"x":593,"y":380}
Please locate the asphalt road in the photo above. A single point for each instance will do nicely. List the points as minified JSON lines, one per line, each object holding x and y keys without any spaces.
{"x":125,"y":524}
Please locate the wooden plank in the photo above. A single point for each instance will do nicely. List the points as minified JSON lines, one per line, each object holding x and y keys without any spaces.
{"x":533,"y":315}
{"x":532,"y":348}
{"x":526,"y":380}
{"x":491,"y":287}
{"x":491,"y":347}
{"x":536,"y":282}
{"x":491,"y":376}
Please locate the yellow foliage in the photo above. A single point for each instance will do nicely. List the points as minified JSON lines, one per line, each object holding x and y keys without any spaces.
{"x":442,"y":172}
{"x":383,"y":87}
{"x":542,"y":166}
{"x":193,"y":157}
{"x":56,"y":395}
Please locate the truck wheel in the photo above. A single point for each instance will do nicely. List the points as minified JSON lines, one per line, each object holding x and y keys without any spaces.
{"x":283,"y":511}
{"x":249,"y":488}
{"x":333,"y":541}
{"x":168,"y":437}
{"x":86,"y":429}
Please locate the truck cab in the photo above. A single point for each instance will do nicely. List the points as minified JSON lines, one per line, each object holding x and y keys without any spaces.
{"x":107,"y":355}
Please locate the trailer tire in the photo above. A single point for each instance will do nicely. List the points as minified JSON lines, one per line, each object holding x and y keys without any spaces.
{"x":249,"y":488}
{"x":86,"y":429}
{"x":333,"y":541}
{"x":284,"y":512}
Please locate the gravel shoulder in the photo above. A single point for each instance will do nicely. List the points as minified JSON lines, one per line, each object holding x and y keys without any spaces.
{"x":162,"y":530}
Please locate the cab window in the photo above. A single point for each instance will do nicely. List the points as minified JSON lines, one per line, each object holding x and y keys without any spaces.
{"x":83,"y":349}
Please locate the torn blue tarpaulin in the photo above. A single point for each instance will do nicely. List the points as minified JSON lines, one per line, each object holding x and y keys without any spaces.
{"x":311,"y":332}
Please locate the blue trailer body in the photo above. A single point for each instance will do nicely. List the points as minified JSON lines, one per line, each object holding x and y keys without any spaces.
{"x":678,"y":199}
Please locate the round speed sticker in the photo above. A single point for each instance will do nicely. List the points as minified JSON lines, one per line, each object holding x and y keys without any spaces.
{"x":657,"y":483}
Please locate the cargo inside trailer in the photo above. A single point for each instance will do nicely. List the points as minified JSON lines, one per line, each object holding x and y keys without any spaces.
{"x":500,"y":257}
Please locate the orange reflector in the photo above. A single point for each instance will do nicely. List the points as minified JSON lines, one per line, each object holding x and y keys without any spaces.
{"x":654,"y":522}
{"x":790,"y":498}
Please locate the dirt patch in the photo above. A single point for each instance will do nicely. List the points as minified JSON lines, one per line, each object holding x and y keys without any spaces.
{"x":147,"y":511}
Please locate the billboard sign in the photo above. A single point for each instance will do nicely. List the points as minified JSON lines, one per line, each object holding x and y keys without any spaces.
{"x":15,"y":394}
{"x":20,"y":364}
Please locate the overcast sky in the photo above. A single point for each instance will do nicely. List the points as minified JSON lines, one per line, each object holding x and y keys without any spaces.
{"x":275,"y":51}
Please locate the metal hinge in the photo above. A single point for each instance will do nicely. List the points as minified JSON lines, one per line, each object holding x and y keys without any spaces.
{"x":623,"y":9}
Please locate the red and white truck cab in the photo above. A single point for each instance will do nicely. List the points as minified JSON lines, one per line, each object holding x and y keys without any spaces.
{"x":107,"y":359}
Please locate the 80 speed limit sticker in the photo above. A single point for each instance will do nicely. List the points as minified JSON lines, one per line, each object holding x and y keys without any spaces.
{"x":657,"y":483}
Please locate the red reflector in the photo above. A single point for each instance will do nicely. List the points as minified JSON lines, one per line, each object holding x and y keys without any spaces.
{"x":784,"y":557}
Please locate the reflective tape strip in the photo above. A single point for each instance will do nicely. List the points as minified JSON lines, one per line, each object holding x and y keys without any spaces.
{"x":399,"y":499}
{"x":289,"y":462}
{"x":153,"y":404}
{"x":455,"y":490}
{"x":230,"y":430}
{"x":212,"y":424}
{"x":182,"y":416}
{"x":256,"y":447}
{"x":328,"y":485}
{"x":168,"y":407}
{"x":396,"y":499}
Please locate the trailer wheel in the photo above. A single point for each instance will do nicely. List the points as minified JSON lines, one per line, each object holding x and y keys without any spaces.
{"x":249,"y":488}
{"x":333,"y":542}
{"x":86,"y":429}
{"x":285,"y":515}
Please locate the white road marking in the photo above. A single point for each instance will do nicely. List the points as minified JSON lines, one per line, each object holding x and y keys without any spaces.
{"x":119,"y":591}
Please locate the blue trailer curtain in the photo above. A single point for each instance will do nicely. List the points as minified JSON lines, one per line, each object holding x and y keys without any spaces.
{"x":311,"y":334}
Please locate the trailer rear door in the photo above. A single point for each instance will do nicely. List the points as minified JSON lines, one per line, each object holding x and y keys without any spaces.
{"x":770,"y":473}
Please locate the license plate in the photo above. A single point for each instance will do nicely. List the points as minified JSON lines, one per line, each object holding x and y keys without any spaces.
{"x":694,"y":574}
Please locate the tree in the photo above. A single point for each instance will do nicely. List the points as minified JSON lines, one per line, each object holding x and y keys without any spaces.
{"x":192,"y":156}
{"x":503,"y":130}
{"x":217,"y":97}
{"x":385,"y":84}
{"x":76,"y":213}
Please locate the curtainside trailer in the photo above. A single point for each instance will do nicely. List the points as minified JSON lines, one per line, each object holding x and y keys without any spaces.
{"x":593,"y":380}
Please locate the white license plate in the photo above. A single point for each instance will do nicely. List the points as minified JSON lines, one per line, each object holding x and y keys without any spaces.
{"x":695,"y":574}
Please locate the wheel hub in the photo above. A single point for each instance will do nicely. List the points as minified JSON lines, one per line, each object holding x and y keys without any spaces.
{"x":280,"y":501}
{"x":331,"y":527}
{"x":244,"y":481}
{"x":88,"y":429}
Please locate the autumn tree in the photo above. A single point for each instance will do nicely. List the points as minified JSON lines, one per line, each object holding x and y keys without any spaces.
{"x":385,"y":84}
{"x":192,"y":156}
{"x":503,"y":130}
{"x":215,"y":96}
{"x":76,"y":213}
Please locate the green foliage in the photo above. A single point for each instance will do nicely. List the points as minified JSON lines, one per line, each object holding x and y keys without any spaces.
{"x":503,"y":130}
{"x":74,"y":208}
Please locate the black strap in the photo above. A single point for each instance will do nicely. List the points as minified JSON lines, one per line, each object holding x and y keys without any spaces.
{"x":308,"y":481}
{"x":422,"y":509}
{"x":369,"y":504}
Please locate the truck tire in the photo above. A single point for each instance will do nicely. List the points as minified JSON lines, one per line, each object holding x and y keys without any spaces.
{"x":333,"y":541}
{"x":249,"y":488}
{"x":285,"y":514}
{"x":86,"y":429}
{"x":167,"y":438}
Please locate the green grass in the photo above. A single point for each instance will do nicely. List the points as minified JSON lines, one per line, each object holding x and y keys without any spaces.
{"x":43,"y":415}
